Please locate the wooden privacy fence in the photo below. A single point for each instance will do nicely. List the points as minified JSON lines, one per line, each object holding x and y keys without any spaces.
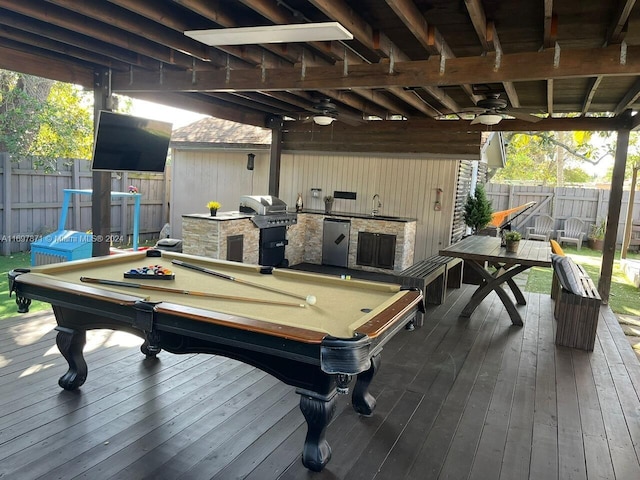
{"x":32,"y":202}
{"x":588,"y":204}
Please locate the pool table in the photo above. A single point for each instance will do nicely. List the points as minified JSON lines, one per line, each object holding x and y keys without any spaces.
{"x":315,"y":347}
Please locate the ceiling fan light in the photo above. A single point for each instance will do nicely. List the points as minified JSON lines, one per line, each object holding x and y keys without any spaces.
{"x":323,"y":120}
{"x":487,"y":119}
{"x":298,"y":32}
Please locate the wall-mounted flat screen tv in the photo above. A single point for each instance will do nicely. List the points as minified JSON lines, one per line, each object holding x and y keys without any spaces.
{"x":125,"y":143}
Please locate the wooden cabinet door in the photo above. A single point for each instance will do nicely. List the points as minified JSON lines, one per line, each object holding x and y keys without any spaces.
{"x":366,"y":254}
{"x":386,"y":254}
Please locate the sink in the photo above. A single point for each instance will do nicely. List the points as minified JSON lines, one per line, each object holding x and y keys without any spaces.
{"x":383,"y":217}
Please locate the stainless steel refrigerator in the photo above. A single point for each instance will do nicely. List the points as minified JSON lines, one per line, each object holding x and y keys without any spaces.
{"x":335,"y":242}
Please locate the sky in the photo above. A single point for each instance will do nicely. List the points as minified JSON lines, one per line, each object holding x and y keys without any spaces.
{"x":179,"y":118}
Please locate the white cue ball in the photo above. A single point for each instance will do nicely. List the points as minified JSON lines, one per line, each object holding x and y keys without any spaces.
{"x":311,"y":300}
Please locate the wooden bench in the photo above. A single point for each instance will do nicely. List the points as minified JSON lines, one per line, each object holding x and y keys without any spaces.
{"x":577,"y":305}
{"x":433,"y":276}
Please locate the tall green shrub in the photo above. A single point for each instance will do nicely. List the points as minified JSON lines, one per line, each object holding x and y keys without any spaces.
{"x":477,"y":210}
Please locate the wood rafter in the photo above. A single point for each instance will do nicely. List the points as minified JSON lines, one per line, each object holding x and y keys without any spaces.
{"x":616,"y":31}
{"x":550,"y":25}
{"x":428,"y":35}
{"x":161,"y":14}
{"x":375,"y":41}
{"x":489,"y":40}
{"x":515,"y":67}
{"x":72,"y":21}
{"x":336,"y":50}
{"x":632,"y":95}
{"x":594,"y":83}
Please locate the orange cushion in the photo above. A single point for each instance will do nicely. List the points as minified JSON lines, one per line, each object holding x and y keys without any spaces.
{"x":556,"y":248}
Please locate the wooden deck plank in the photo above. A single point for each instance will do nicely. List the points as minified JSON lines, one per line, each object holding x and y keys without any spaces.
{"x":615,"y":423}
{"x":446,"y":393}
{"x":544,"y":449}
{"x":492,"y":441}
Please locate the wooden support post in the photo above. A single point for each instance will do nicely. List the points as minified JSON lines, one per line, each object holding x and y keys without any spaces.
{"x":5,"y":161}
{"x":101,"y":181}
{"x":613,"y":217}
{"x":629,"y":223}
{"x":275,"y":158}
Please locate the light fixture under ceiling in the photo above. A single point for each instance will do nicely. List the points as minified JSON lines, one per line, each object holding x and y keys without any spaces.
{"x":487,"y":119}
{"x":299,"y":32}
{"x":323,"y":120}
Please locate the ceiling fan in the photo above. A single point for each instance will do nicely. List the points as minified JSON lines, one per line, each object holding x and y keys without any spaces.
{"x":326,"y":110}
{"x":494,"y":109}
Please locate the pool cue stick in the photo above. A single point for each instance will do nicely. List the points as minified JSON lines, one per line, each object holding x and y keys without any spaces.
{"x":116,"y":283}
{"x":310,"y":299}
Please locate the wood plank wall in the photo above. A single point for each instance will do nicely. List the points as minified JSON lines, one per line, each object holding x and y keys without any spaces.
{"x":588,"y":204}
{"x":31,"y":202}
{"x":406,"y":184}
{"x":201,"y":175}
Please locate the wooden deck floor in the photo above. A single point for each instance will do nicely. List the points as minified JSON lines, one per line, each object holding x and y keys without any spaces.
{"x":457,"y":399}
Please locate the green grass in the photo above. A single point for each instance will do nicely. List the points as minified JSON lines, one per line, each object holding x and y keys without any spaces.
{"x":623,"y":297}
{"x":8,"y":306}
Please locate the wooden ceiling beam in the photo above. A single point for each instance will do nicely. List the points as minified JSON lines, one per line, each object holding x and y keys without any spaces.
{"x":335,"y":50}
{"x":207,"y":106}
{"x":479,"y":21}
{"x":278,"y":15}
{"x":408,"y":97}
{"x":69,"y":40}
{"x":515,"y":67}
{"x":32,"y":40}
{"x":106,"y":32}
{"x":374,"y":40}
{"x":616,"y":31}
{"x":630,"y":97}
{"x":161,"y":14}
{"x":357,"y":102}
{"x":430,"y":38}
{"x":550,"y":34}
{"x":17,"y":60}
{"x":594,"y":83}
{"x":118,"y":21}
{"x":488,"y":37}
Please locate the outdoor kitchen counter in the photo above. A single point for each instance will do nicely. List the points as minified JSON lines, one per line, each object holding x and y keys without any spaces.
{"x":208,"y":236}
{"x":366,"y":216}
{"x":220,"y":216}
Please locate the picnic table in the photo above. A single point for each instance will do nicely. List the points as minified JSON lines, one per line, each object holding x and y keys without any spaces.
{"x":496,"y":266}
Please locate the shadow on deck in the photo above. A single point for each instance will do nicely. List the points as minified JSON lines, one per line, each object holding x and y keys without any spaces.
{"x":458,"y":398}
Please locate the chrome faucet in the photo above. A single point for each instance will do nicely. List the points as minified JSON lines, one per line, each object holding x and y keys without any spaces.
{"x":377,"y":204}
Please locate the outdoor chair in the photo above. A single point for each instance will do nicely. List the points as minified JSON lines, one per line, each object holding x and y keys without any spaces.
{"x":541,"y":230}
{"x":572,"y":232}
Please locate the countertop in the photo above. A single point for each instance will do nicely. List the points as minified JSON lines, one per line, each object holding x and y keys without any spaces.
{"x":365,"y":216}
{"x":235,"y":215}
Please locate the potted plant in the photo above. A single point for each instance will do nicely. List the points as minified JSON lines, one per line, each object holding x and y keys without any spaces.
{"x":477,"y":210}
{"x":328,"y":203}
{"x":595,"y":239}
{"x":512,"y":240}
{"x":213,"y":207}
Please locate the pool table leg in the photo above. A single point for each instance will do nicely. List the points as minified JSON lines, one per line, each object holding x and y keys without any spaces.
{"x":318,"y":411}
{"x":363,"y":402}
{"x":70,"y":343}
{"x":151,"y":345}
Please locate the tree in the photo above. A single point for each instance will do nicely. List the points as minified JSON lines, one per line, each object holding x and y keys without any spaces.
{"x":477,"y":209}
{"x":43,"y":119}
{"x":551,"y":158}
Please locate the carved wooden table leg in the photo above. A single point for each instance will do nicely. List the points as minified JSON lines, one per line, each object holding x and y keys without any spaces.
{"x":70,"y":343}
{"x":363,"y":402}
{"x":318,"y":411}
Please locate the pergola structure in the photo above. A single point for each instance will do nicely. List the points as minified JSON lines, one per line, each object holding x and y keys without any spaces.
{"x":417,"y":74}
